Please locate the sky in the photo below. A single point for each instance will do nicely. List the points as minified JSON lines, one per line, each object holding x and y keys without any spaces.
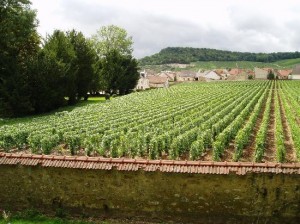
{"x":235,"y":25}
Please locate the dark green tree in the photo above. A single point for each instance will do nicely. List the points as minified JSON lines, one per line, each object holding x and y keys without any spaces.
{"x":46,"y":77}
{"x":85,"y":61}
{"x":271,"y":75}
{"x":119,"y":73}
{"x":19,"y":41}
{"x":59,"y":46}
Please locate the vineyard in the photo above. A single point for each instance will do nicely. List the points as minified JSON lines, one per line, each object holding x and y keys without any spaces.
{"x":221,"y":121}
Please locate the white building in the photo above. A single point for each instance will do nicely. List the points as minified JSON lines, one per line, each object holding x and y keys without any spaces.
{"x":143,"y":82}
{"x":296,"y":73}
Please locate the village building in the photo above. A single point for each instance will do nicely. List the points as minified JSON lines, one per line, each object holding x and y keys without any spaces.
{"x":158,"y":82}
{"x":171,"y":76}
{"x":283,"y":74}
{"x":200,"y":76}
{"x":143,"y":82}
{"x":186,"y":76}
{"x":234,"y":71}
{"x":223,"y":73}
{"x":262,"y":73}
{"x":212,"y":75}
{"x":296,"y":72}
{"x":238,"y":74}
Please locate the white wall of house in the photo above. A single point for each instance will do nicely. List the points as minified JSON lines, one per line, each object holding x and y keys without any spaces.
{"x":143,"y":83}
{"x":295,"y":76}
{"x":260,"y":73}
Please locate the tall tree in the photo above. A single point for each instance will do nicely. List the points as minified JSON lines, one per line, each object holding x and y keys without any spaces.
{"x":119,"y":73}
{"x":112,"y":38}
{"x":86,"y":76}
{"x":18,"y":42}
{"x":59,"y":46}
{"x":46,"y":78}
{"x":118,"y":68}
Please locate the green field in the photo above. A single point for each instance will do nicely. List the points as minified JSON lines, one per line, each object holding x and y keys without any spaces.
{"x":221,"y":121}
{"x":206,"y":65}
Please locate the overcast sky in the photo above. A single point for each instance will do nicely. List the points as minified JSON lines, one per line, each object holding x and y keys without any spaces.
{"x":236,"y":25}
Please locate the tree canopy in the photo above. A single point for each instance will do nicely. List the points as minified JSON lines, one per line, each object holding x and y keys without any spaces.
{"x":112,"y":38}
{"x":119,"y":73}
{"x":37,"y":78}
{"x":19,"y":42}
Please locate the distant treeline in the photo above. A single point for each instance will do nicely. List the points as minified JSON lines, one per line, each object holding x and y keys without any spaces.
{"x":186,"y":55}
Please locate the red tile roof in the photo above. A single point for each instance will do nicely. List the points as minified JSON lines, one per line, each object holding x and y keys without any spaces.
{"x":169,"y":166}
{"x":235,"y":71}
{"x":284,"y":73}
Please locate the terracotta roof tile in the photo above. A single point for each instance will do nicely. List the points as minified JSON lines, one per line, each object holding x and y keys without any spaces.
{"x":202,"y":167}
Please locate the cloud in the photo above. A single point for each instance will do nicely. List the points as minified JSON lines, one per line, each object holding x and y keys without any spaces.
{"x":254,"y":26}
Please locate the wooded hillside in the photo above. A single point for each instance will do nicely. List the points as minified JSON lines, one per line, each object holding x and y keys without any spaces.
{"x":186,"y":55}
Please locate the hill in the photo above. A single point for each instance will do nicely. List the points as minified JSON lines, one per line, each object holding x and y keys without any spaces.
{"x":207,"y":65}
{"x":187,"y":55}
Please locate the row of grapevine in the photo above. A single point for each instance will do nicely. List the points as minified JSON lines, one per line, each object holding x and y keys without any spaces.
{"x":261,"y":137}
{"x":290,"y":105}
{"x":279,"y":136}
{"x":243,"y":136}
{"x":222,"y":141}
{"x":183,"y":121}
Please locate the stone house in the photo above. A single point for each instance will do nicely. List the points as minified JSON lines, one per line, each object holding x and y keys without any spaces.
{"x":171,"y":76}
{"x":212,"y":75}
{"x":186,"y":76}
{"x":283,"y":74}
{"x":158,"y":82}
{"x":262,"y":73}
{"x":239,"y":74}
{"x":143,"y":82}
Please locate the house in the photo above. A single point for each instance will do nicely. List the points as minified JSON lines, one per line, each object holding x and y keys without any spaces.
{"x":158,"y":82}
{"x":223,"y":73}
{"x":262,"y":73}
{"x":212,"y":75}
{"x":186,"y":76}
{"x":200,"y":76}
{"x":234,"y":71}
{"x":143,"y":82}
{"x":238,"y":74}
{"x":296,"y":72}
{"x":171,"y":76}
{"x":283,"y":74}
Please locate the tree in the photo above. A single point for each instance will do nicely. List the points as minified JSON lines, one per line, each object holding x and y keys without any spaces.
{"x":271,"y":75}
{"x":59,"y":46}
{"x":46,"y":76}
{"x":119,"y":73}
{"x":19,"y":41}
{"x":112,"y":38}
{"x":85,"y":60}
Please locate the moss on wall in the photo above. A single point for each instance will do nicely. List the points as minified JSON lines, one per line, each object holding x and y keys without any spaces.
{"x":198,"y":198}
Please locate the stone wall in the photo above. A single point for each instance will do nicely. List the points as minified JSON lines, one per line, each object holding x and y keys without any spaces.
{"x":152,"y":196}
